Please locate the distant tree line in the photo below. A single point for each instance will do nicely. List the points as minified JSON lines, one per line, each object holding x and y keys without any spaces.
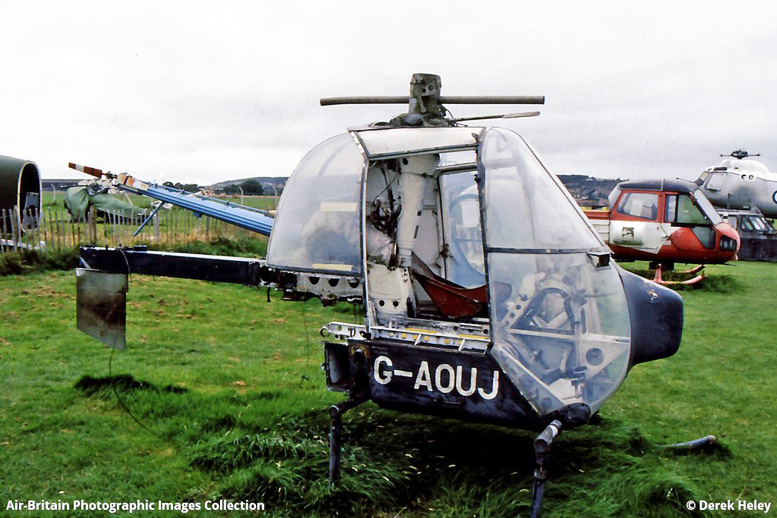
{"x":252,"y":187}
{"x":188,"y":187}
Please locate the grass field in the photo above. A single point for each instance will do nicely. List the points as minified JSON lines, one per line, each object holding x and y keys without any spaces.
{"x":219,"y":395}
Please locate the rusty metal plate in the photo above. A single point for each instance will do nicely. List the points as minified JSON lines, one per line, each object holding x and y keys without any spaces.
{"x":102,"y":305}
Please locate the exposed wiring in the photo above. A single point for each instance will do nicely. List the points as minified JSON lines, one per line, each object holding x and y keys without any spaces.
{"x":122,"y":404}
{"x":121,"y":401}
{"x":308,"y":348}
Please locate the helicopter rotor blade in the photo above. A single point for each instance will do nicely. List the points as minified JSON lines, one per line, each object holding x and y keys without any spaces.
{"x":92,"y":171}
{"x":494,"y":99}
{"x":521,"y":99}
{"x":503,"y":116}
{"x":333,"y":101}
{"x":740,"y":154}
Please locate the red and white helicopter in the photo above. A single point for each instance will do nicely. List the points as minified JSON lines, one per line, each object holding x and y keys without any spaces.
{"x":665,"y":222}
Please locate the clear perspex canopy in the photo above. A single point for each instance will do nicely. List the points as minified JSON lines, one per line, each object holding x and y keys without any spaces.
{"x":318,"y":222}
{"x":561,"y":328}
{"x":320,"y":229}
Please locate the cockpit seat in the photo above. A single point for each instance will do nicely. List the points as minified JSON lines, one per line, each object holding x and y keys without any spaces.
{"x":452,"y":300}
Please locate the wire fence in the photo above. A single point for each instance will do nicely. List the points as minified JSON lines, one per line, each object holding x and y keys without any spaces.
{"x":55,"y":229}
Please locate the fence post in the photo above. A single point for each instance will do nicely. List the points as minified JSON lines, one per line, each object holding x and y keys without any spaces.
{"x":2,"y":230}
{"x":65,"y":228}
{"x":93,"y":225}
{"x":130,"y":237}
{"x":14,"y":226}
{"x":83,"y":231}
{"x":54,"y":228}
{"x":112,"y":220}
{"x":120,"y":225}
{"x":50,"y":229}
{"x":42,"y":227}
{"x":35,"y":230}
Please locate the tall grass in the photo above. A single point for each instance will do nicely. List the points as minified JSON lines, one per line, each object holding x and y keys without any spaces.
{"x":220,"y":395}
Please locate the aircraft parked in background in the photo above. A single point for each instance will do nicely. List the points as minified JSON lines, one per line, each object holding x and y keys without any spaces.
{"x":741,"y":183}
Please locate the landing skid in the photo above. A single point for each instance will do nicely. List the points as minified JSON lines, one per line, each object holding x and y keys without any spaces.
{"x":658,"y":279}
{"x":693,"y":270}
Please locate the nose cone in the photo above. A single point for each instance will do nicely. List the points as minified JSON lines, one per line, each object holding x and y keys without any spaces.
{"x":656,"y":314}
{"x":729,"y":242}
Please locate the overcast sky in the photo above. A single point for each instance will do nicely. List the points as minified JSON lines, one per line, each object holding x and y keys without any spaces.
{"x":210,"y":91}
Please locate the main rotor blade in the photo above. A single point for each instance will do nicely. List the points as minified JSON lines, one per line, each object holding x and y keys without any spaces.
{"x":492,"y":99}
{"x":97,"y":173}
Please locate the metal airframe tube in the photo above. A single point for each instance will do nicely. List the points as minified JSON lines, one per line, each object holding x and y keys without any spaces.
{"x":694,"y":445}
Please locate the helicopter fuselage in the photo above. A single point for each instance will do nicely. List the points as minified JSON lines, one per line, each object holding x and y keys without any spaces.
{"x":470,"y":251}
{"x":741,"y":184}
{"x":665,"y":221}
{"x":487,"y":294}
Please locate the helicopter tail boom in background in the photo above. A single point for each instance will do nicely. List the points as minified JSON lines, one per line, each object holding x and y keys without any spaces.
{"x":249,"y":218}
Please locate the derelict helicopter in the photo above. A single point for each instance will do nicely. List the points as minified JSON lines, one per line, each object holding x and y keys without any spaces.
{"x":665,"y":222}
{"x":741,"y":183}
{"x":478,"y":304}
{"x":757,"y":236}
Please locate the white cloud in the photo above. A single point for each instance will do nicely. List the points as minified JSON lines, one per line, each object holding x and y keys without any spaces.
{"x":202,"y":92}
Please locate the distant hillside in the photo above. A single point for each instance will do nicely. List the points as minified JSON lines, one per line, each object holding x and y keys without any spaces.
{"x":587,"y":191}
{"x":268,"y":183}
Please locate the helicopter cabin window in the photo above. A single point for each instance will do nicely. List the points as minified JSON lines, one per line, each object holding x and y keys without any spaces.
{"x":716,"y":181}
{"x":317,"y":227}
{"x":643,"y":205}
{"x":680,"y":209}
{"x":670,"y":208}
{"x":706,"y":208}
{"x":758,"y":223}
{"x":521,"y":194}
{"x":463,"y":232}
{"x":559,"y":329}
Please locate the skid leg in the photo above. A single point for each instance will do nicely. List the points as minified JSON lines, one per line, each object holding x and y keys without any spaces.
{"x":335,"y":443}
{"x":541,"y":450}
{"x":336,"y":434}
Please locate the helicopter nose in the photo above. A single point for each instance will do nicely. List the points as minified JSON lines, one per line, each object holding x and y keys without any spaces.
{"x":729,"y":241}
{"x":656,"y":315}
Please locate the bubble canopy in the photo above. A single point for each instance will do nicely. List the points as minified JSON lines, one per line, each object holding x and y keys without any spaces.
{"x":560,"y":327}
